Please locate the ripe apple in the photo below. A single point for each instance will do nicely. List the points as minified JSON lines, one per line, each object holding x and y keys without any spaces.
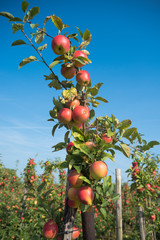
{"x":80,"y":114}
{"x":73,"y":179}
{"x":83,"y":78}
{"x":107,"y":139}
{"x":69,"y":145}
{"x":68,"y":72}
{"x":75,"y":233}
{"x":91,"y":145}
{"x":153,"y":217}
{"x":140,"y":189}
{"x":86,"y":195}
{"x":65,"y":115}
{"x":73,"y":204}
{"x":73,"y":194}
{"x":60,"y":44}
{"x":73,"y":104}
{"x":135,"y":164}
{"x":154,"y":173}
{"x":148,"y":186}
{"x":98,"y":170}
{"x":136,"y":170}
{"x":76,"y":54}
{"x":50,"y":229}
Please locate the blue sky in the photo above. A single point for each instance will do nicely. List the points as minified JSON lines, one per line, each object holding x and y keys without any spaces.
{"x":125,"y":54}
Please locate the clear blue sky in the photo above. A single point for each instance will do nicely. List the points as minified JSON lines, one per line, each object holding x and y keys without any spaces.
{"x":125,"y":54}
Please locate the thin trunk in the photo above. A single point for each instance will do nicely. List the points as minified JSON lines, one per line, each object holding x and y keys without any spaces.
{"x":88,"y":225}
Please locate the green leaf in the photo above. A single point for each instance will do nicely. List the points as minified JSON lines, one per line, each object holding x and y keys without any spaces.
{"x":151,"y":144}
{"x":85,"y":179}
{"x":54,"y":129}
{"x":57,"y":22}
{"x":73,"y":35}
{"x":124,"y":124}
{"x":94,"y":91}
{"x":15,"y":19}
{"x":24,"y":6}
{"x":46,"y":19}
{"x":53,"y":113}
{"x":116,"y":197}
{"x":103,"y":213}
{"x":59,"y":146}
{"x":77,"y":134}
{"x":7,"y":15}
{"x":27,"y":60}
{"x":66,"y":138}
{"x":64,"y":164}
{"x":18,"y":42}
{"x":40,"y":187}
{"x":92,"y":114}
{"x":50,"y":76}
{"x":55,"y":84}
{"x":33,"y":12}
{"x":16,"y":27}
{"x":81,"y":34}
{"x":41,"y":48}
{"x":40,"y":34}
{"x":84,"y":149}
{"x":86,"y":35}
{"x":125,"y":149}
{"x":101,"y":99}
{"x":54,"y":63}
{"x":69,"y":93}
{"x":129,"y":132}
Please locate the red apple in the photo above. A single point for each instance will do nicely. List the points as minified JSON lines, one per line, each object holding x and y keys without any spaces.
{"x":69,"y":145}
{"x":83,"y":78}
{"x":135,"y":164}
{"x":136,"y":170}
{"x":73,"y":179}
{"x":140,"y":189}
{"x":134,"y":175}
{"x":91,"y":145}
{"x":107,"y":139}
{"x":154,"y":173}
{"x":75,"y":233}
{"x":73,"y":194}
{"x":86,"y":195}
{"x":68,"y":72}
{"x":148,"y":186}
{"x":60,"y":44}
{"x":153,"y":217}
{"x":98,"y":170}
{"x":50,"y":229}
{"x":80,"y":114}
{"x":76,"y":54}
{"x":65,"y":115}
{"x":73,"y":204}
{"x":73,"y":104}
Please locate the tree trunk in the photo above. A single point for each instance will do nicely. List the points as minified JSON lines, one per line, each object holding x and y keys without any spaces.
{"x":88,"y":225}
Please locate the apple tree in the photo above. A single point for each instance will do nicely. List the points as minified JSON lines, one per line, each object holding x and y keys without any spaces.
{"x":88,"y":140}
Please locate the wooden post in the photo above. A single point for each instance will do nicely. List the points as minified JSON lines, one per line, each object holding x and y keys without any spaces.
{"x":141,"y":223}
{"x":118,"y":206}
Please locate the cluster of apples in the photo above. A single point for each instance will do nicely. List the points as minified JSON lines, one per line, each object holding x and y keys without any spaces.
{"x":50,"y":230}
{"x":77,"y":193}
{"x":61,"y":45}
